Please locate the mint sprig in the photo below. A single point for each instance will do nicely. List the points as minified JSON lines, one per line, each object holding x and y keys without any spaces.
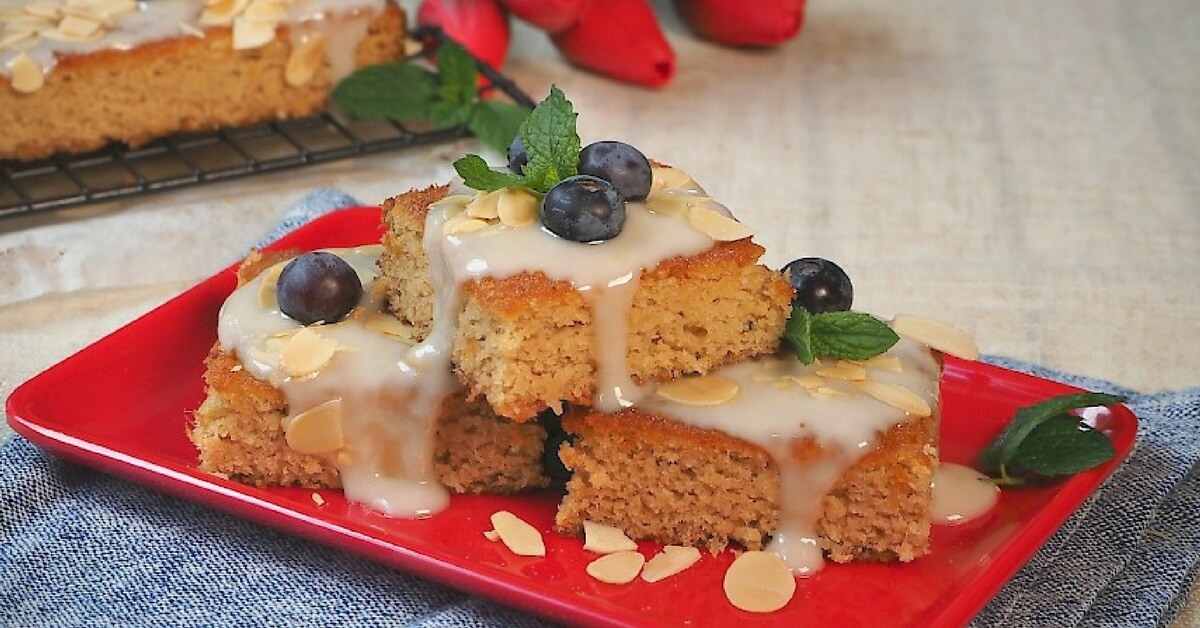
{"x":843,"y":335}
{"x":551,"y":142}
{"x":450,"y":97}
{"x":1043,"y":440}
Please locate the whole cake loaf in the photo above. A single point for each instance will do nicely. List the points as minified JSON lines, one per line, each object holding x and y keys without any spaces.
{"x":77,"y":74}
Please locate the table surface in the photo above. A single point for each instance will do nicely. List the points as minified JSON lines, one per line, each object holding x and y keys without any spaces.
{"x":1028,"y":171}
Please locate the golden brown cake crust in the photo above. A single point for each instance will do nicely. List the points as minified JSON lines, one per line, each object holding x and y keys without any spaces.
{"x":180,"y":84}
{"x":673,"y":483}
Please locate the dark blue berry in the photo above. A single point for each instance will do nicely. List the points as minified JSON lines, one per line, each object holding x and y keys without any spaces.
{"x":583,"y":209}
{"x":821,"y":285}
{"x":620,"y":164}
{"x":318,"y":286}
{"x":517,"y":157}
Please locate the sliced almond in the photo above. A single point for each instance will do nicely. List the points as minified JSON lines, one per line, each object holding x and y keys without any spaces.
{"x":188,"y":29}
{"x":759,"y":582}
{"x":667,"y":178}
{"x":250,"y":34}
{"x":317,"y":499}
{"x":305,"y":60}
{"x":675,"y":205}
{"x":937,"y":335}
{"x":389,"y":325}
{"x":268,"y":288}
{"x":48,"y":9}
{"x":317,"y":430}
{"x":412,"y":47}
{"x":827,"y":392}
{"x":491,"y":535}
{"x":706,"y":390}
{"x":517,"y":208}
{"x":718,"y":226}
{"x":670,"y":561}
{"x":605,"y":539}
{"x":222,"y":12}
{"x":463,"y":224}
{"x":265,"y":11}
{"x":896,"y":396}
{"x":809,"y":380}
{"x":306,"y":352}
{"x":235,"y":368}
{"x":112,"y":8}
{"x":15,"y":38}
{"x":27,"y":76}
{"x":452,"y":205}
{"x":521,"y":538}
{"x":485,"y":205}
{"x":885,"y":362}
{"x":843,"y":370}
{"x":618,"y":568}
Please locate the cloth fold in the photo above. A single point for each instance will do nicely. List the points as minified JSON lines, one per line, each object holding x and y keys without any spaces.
{"x":78,"y":547}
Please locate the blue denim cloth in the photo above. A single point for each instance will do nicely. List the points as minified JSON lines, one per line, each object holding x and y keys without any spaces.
{"x":80,"y":548}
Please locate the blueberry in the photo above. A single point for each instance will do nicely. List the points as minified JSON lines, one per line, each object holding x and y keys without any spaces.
{"x":821,"y":285}
{"x":620,"y":164}
{"x":318,"y":286}
{"x":583,"y":209}
{"x":517,"y":157}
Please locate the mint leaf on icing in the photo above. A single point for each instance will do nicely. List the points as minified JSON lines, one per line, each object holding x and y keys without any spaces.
{"x":850,"y":335}
{"x":1051,"y":450}
{"x":477,"y":175}
{"x":551,"y":142}
{"x":798,"y":335}
{"x":842,"y":335}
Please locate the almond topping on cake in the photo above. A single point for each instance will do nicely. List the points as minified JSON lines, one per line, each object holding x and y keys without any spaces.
{"x":937,"y":335}
{"x":317,"y":430}
{"x":707,"y":390}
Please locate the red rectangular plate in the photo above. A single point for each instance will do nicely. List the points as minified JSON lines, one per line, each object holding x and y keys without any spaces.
{"x":121,"y":406}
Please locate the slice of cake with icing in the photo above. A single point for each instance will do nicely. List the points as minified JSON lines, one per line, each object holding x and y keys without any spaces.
{"x":795,"y":459}
{"x":542,"y":320}
{"x":348,"y":404}
{"x":77,"y":74}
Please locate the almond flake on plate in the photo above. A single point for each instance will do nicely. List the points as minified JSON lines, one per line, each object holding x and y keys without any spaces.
{"x":519,"y":537}
{"x":759,"y":582}
{"x":670,"y":561}
{"x":605,"y":539}
{"x":617,"y":568}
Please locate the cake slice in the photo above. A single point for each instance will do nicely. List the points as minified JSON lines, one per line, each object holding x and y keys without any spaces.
{"x":793,"y":453}
{"x":240,"y":430}
{"x":77,"y":75}
{"x":541,"y":321}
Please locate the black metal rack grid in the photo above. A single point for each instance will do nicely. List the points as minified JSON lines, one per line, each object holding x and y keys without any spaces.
{"x":183,"y":160}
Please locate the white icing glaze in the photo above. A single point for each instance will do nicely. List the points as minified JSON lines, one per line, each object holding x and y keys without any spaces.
{"x":391,"y":393}
{"x":961,"y":494}
{"x":166,"y":19}
{"x":777,"y":418}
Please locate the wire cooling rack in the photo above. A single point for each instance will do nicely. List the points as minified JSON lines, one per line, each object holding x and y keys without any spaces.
{"x":177,"y":161}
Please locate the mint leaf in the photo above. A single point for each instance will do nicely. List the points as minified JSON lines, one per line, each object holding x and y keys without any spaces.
{"x":496,"y":123}
{"x":477,"y":175}
{"x":551,"y":142}
{"x":850,"y":335}
{"x":843,"y":335}
{"x":445,"y":114}
{"x":1061,"y":446}
{"x":458,"y":76}
{"x":798,"y":335}
{"x":1002,"y":451}
{"x":391,"y":90}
